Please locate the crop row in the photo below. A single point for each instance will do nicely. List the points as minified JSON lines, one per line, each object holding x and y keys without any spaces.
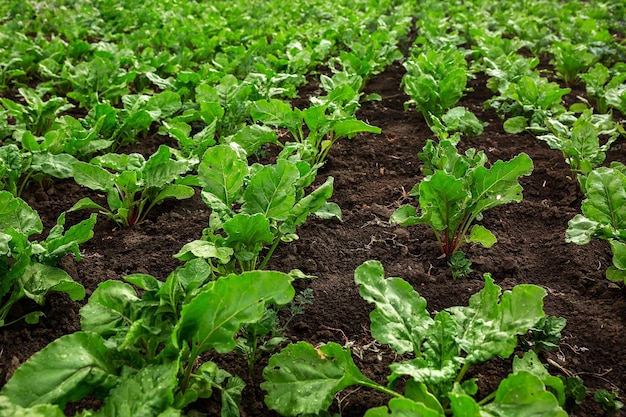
{"x":81,"y":81}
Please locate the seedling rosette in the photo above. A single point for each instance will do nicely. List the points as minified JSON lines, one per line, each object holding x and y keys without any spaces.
{"x":457,"y":193}
{"x":303,"y":379}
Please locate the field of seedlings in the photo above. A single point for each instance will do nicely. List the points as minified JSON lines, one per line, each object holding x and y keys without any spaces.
{"x":346,"y":208}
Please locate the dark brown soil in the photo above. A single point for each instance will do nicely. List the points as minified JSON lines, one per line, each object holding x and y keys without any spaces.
{"x":373,"y":174}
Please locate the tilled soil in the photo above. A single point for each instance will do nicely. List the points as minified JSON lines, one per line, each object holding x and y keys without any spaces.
{"x":373,"y":174}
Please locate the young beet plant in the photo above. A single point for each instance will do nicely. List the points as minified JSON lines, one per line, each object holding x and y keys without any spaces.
{"x":458,"y":190}
{"x":142,"y":354}
{"x":303,"y":379}
{"x":604,"y":216}
{"x":28,"y":268}
{"x":254,"y":208}
{"x":133,"y":185}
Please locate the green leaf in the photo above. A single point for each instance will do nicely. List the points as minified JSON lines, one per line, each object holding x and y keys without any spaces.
{"x":16,"y":214}
{"x":109,"y":308}
{"x":617,"y":273}
{"x":405,"y":215}
{"x":39,"y":279}
{"x":489,"y":326}
{"x":271,"y":191}
{"x":41,"y":410}
{"x":515,"y":125}
{"x":66,"y":370}
{"x":222,"y":172}
{"x":217,"y":313}
{"x":480,"y":234}
{"x":606,"y":197}
{"x":312,"y":203}
{"x":523,"y":394}
{"x":250,"y":230}
{"x":498,"y":185}
{"x":580,"y":230}
{"x":58,"y":166}
{"x":531,"y":363}
{"x":148,"y":392}
{"x":302,"y":379}
{"x":348,"y":128}
{"x":442,"y":199}
{"x":402,"y":407}
{"x":177,"y":191}
{"x":400,"y":318}
{"x":205,"y":250}
{"x":92,"y":176}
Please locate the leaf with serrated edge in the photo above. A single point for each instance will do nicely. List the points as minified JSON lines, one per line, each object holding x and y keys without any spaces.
{"x":65,"y":370}
{"x":302,"y":379}
{"x":215,"y":314}
{"x":400,"y":318}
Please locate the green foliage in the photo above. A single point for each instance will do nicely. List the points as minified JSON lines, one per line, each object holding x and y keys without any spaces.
{"x":28,"y":268}
{"x":580,"y":144}
{"x":606,"y":87}
{"x":140,"y":353}
{"x":571,"y":60}
{"x":254,"y":208}
{"x":303,"y":379}
{"x":603,"y":216}
{"x":37,"y":115}
{"x":457,"y":190}
{"x":435,"y":81}
{"x":326,"y":123}
{"x":608,"y":401}
{"x":133,"y":184}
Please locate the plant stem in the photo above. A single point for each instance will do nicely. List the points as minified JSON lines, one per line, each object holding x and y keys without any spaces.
{"x":270,"y":251}
{"x":461,"y":374}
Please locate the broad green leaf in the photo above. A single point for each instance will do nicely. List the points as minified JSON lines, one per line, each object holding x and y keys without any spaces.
{"x":93,"y":176}
{"x":606,"y":197}
{"x":39,"y":279}
{"x":402,"y":407}
{"x":329,"y":210}
{"x":350,"y":127}
{"x":480,"y":234}
{"x":531,"y":363}
{"x":58,"y":166}
{"x":160,"y":169}
{"x":580,"y":230}
{"x":177,"y":191}
{"x":302,"y":379}
{"x":515,"y":125}
{"x":498,"y":185}
{"x":41,"y":410}
{"x":203,"y":249}
{"x":87,"y":203}
{"x":405,"y":215}
{"x":418,"y":392}
{"x":16,"y":214}
{"x":443,"y":200}
{"x":66,"y":370}
{"x":489,"y":326}
{"x":617,"y":273}
{"x":109,"y":308}
{"x":163,"y":105}
{"x":400,"y":318}
{"x":311,"y":203}
{"x":222,"y":172}
{"x":250,"y":138}
{"x":276,"y":113}
{"x":271,"y":190}
{"x":522,"y":394}
{"x":250,"y":230}
{"x":217,"y":313}
{"x":146,"y":393}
